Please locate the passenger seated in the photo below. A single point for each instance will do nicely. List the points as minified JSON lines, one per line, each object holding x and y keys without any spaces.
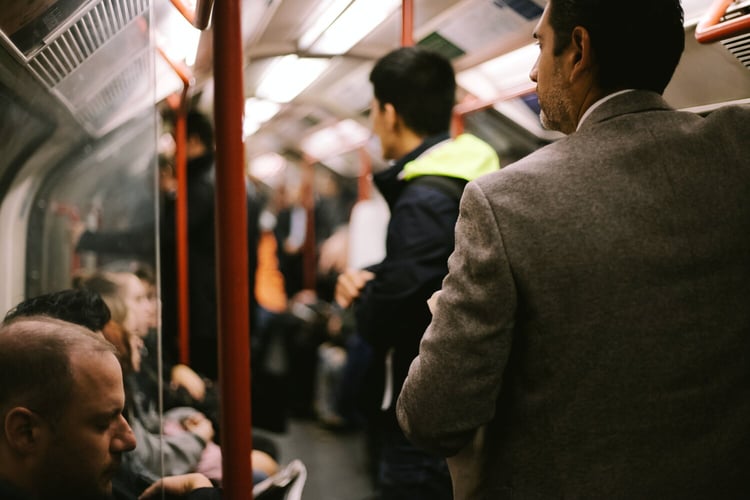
{"x":87,"y":307}
{"x":190,"y":450}
{"x":181,"y":385}
{"x":62,"y":433}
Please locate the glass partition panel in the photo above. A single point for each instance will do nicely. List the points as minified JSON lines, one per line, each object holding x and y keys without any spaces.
{"x":80,"y":204}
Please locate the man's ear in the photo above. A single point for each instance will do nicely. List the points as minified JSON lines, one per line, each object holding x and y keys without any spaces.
{"x":581,"y":54}
{"x":390,"y":117}
{"x":23,"y":429}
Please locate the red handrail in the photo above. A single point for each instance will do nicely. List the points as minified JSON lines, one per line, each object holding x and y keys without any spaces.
{"x":182,"y":254}
{"x":232,"y":253}
{"x":711,"y":29}
{"x":473,"y":105}
{"x":407,"y":23}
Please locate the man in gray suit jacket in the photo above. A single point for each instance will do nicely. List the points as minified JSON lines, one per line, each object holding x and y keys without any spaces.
{"x":592,"y":338}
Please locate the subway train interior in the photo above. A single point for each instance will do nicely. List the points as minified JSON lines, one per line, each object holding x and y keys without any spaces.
{"x":93,"y":96}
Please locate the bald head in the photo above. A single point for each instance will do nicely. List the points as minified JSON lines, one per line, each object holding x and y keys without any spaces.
{"x":35,"y":362}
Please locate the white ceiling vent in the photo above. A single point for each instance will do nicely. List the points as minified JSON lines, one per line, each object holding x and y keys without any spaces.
{"x":62,"y":55}
{"x":740,"y":47}
{"x":96,"y":60}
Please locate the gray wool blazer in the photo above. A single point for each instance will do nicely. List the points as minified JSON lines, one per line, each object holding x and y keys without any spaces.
{"x":592,"y":339}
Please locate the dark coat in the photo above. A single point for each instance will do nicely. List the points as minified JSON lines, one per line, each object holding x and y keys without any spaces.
{"x":8,"y":492}
{"x":392,"y":311}
{"x":202,"y":264}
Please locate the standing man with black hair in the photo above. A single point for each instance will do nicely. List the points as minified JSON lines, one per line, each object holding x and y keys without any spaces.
{"x":414,"y":93}
{"x":593,"y":335}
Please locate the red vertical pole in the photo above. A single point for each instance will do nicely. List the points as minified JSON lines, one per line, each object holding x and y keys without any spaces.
{"x":179,"y":105}
{"x":181,"y":232}
{"x":407,"y":23}
{"x":309,"y":250}
{"x":232,"y":252}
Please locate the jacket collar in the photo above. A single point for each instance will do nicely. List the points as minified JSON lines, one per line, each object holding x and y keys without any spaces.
{"x":631,"y":102}
{"x":389,"y":182}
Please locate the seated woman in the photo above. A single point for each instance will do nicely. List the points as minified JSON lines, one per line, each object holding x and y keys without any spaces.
{"x":188,"y":434}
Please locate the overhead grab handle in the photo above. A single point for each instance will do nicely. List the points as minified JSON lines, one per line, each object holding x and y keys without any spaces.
{"x":711,"y":29}
{"x":198,"y":17}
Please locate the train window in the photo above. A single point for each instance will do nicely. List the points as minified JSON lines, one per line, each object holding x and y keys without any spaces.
{"x":23,"y":129}
{"x":510,"y":139}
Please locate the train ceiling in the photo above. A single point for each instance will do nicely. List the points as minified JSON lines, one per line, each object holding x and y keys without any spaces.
{"x":95,"y":56}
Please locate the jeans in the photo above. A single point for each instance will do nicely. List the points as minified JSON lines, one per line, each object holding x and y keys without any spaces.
{"x":409,"y":473}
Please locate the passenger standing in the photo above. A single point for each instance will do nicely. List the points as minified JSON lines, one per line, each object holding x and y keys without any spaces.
{"x":414,"y":93}
{"x":61,"y":403}
{"x":592,"y":337}
{"x":202,"y":249}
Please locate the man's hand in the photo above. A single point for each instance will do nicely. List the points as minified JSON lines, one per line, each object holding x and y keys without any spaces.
{"x":349,"y":285}
{"x":176,"y":485}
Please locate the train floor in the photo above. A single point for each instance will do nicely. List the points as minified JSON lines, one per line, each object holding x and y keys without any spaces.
{"x":336,"y":462}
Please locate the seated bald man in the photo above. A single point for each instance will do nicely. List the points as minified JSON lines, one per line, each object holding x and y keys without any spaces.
{"x":62,"y":433}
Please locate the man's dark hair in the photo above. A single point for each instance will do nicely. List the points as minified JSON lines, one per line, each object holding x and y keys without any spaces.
{"x":421,"y":86}
{"x":82,"y":307}
{"x":637,"y":44}
{"x":199,"y":125}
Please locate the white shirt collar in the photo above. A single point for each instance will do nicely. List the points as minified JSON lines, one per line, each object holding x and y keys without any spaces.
{"x":599,"y":103}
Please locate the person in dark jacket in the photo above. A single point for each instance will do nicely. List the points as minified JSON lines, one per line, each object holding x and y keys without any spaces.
{"x":411,"y":111}
{"x":202,"y":249}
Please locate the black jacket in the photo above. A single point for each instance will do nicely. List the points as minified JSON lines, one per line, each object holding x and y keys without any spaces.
{"x":392,"y":309}
{"x":202,"y":264}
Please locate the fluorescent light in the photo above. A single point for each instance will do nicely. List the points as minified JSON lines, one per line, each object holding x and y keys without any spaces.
{"x":267,"y":167}
{"x":335,"y":140}
{"x":327,"y":15}
{"x":355,"y":23}
{"x":257,"y":112}
{"x":178,"y":38}
{"x":509,"y":71}
{"x":167,"y":82}
{"x":694,"y":9}
{"x":288,"y":76}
